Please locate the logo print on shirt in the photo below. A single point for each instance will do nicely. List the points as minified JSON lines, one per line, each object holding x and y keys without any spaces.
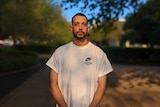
{"x":88,"y":61}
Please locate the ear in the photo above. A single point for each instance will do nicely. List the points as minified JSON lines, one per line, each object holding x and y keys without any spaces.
{"x":71,"y":29}
{"x":88,"y":29}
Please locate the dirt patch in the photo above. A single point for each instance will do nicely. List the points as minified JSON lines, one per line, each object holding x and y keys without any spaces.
{"x":133,"y":86}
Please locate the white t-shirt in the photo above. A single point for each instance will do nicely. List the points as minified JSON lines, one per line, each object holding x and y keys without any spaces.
{"x":78,"y":70}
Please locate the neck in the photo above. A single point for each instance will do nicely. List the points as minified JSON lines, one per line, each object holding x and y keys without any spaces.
{"x":80,"y":42}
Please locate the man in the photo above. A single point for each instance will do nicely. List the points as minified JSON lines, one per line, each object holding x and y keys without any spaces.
{"x":78,"y":69}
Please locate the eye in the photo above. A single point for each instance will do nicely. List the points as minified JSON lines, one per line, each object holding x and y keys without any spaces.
{"x":84,"y":24}
{"x":75,"y":24}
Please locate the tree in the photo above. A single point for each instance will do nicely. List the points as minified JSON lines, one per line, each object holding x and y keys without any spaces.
{"x":103,"y":12}
{"x":33,"y":21}
{"x":146,"y":22}
{"x":114,"y":34}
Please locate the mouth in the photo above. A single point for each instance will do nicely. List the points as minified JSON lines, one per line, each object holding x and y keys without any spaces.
{"x":80,"y":33}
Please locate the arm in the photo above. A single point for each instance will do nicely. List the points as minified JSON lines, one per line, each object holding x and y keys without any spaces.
{"x":99,"y":92}
{"x":55,"y":91}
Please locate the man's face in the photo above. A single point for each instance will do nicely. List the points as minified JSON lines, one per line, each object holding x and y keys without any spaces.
{"x":79,"y":27}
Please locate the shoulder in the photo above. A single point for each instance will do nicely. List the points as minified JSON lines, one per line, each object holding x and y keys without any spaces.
{"x":96,"y":48}
{"x":63,"y":47}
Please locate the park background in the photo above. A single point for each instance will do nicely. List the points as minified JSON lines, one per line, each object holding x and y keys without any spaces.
{"x":128,"y":31}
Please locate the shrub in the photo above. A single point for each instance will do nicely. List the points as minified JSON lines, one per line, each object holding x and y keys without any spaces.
{"x":15,"y":60}
{"x":36,"y":48}
{"x":144,"y":56}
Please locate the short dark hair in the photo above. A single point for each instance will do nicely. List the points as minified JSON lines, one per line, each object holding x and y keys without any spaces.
{"x":79,"y":14}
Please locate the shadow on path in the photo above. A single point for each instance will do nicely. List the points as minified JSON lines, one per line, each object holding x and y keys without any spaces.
{"x":34,"y":92}
{"x":133,"y":86}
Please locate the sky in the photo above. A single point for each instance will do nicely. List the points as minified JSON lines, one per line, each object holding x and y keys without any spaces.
{"x":67,"y":14}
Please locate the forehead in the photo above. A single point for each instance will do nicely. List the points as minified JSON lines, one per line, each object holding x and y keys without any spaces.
{"x":79,"y":19}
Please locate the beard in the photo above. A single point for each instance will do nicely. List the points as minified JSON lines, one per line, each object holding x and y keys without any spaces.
{"x":81,"y":36}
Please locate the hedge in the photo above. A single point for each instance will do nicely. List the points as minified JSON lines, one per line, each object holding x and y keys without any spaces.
{"x":14,"y":60}
{"x":144,"y":56}
{"x":36,"y":48}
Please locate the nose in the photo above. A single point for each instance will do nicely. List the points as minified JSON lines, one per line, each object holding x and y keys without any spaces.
{"x":80,"y":27}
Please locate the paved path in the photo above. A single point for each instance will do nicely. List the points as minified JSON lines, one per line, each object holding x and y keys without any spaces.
{"x":34,"y":92}
{"x":128,"y":86}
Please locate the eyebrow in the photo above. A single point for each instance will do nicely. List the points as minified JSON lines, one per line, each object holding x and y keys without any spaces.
{"x":85,"y":23}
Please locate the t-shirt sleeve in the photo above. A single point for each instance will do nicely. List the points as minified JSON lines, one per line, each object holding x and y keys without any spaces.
{"x":104,"y":66}
{"x":53,"y":62}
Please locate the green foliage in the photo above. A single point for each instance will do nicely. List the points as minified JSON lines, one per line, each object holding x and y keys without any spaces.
{"x":137,"y":56}
{"x":114,"y":33}
{"x":107,"y":9}
{"x":145,"y":22}
{"x":19,"y":63}
{"x":16,"y":60}
{"x":102,"y":11}
{"x":154,"y":37}
{"x":33,"y":21}
{"x":36,"y":48}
